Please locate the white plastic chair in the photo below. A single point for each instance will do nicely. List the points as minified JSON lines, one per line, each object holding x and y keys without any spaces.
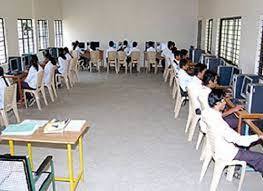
{"x":36,"y":92}
{"x":151,"y":60}
{"x":122,"y":61}
{"x":179,"y":99}
{"x":112,"y":60}
{"x":135,"y":60}
{"x":10,"y":103}
{"x":220,"y":164}
{"x":64,"y":76}
{"x":51,"y":85}
{"x":94,"y":60}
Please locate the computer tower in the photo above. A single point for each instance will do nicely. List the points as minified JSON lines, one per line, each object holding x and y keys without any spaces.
{"x":238,"y":81}
{"x":254,"y":102}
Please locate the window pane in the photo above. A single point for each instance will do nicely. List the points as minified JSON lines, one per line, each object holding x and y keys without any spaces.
{"x":3,"y":55}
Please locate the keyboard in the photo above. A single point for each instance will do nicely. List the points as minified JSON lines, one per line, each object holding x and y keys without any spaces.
{"x":236,"y":101}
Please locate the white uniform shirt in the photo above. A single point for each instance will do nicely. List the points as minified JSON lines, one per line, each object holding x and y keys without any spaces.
{"x":110,"y":49}
{"x":47,"y":73}
{"x":151,"y":49}
{"x":68,"y":57}
{"x":127,"y":50}
{"x":203,"y":97}
{"x":184,"y":79}
{"x":31,"y":78}
{"x":2,"y":92}
{"x":63,"y":65}
{"x":79,"y":51}
{"x":225,"y":137}
{"x":133,"y":49}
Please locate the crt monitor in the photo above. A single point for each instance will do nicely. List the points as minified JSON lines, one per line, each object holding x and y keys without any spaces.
{"x":225,"y":74}
{"x":54,"y":52}
{"x":94,"y":45}
{"x":82,"y":45}
{"x":247,"y":80}
{"x":40,"y":56}
{"x":13,"y":65}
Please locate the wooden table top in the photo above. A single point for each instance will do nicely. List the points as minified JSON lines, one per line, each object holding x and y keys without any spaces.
{"x":253,"y":127}
{"x":39,"y":136}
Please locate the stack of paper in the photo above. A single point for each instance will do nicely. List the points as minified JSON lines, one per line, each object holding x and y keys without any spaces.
{"x":27,"y":127}
{"x":75,"y":125}
{"x":56,"y":126}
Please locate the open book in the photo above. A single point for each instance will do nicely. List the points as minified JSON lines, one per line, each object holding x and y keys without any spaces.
{"x":56,"y":126}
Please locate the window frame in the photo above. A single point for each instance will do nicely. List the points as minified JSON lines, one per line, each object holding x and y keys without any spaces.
{"x":209,"y":35}
{"x":43,"y":35}
{"x":58,"y":27}
{"x":3,"y":41}
{"x":26,"y":39}
{"x":236,"y":38}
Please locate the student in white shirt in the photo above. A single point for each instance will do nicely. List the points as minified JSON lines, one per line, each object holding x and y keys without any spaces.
{"x":151,"y":47}
{"x":67,"y":54}
{"x":134,"y":48}
{"x":184,"y":54}
{"x":3,"y":84}
{"x":62,"y":62}
{"x":51,"y":63}
{"x":168,"y":54}
{"x":110,"y":49}
{"x":126,"y":47}
{"x":176,"y":61}
{"x":76,"y":48}
{"x":184,"y":78}
{"x":227,"y":141}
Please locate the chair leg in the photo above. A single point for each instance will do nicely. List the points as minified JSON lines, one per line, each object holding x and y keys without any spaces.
{"x":199,"y":140}
{"x":4,"y":116}
{"x":42,"y":89}
{"x":90,"y":67}
{"x":25,"y":100}
{"x":126,"y":68}
{"x":116,"y":68}
{"x":156,"y":68}
{"x":243,"y":171}
{"x":171,"y":80}
{"x":16,"y":113}
{"x":108,"y":67}
{"x":51,"y":93}
{"x":193,"y":127}
{"x":218,"y":170}
{"x":138,"y":67}
{"x":204,"y":150}
{"x":205,"y":167}
{"x":54,"y":90}
{"x":66,"y":82}
{"x":166,"y":74}
{"x":230,"y":172}
{"x":174,"y":89}
{"x":178,"y":104}
{"x":37,"y":100}
{"x":189,"y":119}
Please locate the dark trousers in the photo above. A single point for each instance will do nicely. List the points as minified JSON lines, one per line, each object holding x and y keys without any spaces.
{"x":25,"y":85}
{"x":232,"y":121}
{"x":253,"y":159}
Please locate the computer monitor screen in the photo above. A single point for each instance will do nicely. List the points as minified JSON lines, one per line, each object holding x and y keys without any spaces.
{"x":14,"y":64}
{"x":247,"y":80}
{"x":54,"y":52}
{"x":82,"y":45}
{"x":225,"y":74}
{"x":40,"y":56}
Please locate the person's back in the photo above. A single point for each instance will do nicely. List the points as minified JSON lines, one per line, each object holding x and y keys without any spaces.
{"x":151,"y":47}
{"x":184,"y":78}
{"x":110,"y":49}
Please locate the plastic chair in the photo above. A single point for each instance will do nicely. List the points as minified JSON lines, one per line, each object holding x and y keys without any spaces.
{"x":122,"y":61}
{"x":10,"y":103}
{"x":64,"y":76}
{"x":135,"y":60}
{"x":112,"y":60}
{"x":35,"y":92}
{"x":151,"y":60}
{"x":193,"y":117}
{"x":94,"y":60}
{"x":51,"y":85}
{"x":16,"y":174}
{"x":179,"y":99}
{"x":220,"y":164}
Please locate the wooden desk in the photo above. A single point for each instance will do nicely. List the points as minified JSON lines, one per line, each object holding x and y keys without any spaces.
{"x":18,"y":79}
{"x":243,"y":114}
{"x":253,"y":127}
{"x":66,"y":138}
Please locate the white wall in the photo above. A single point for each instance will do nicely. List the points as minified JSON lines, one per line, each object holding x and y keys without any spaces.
{"x":250,"y":12}
{"x":139,"y":20}
{"x":11,"y":10}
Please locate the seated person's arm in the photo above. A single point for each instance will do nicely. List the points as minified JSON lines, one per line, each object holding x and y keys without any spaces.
{"x":232,"y":110}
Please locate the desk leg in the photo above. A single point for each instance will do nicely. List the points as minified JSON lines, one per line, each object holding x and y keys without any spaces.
{"x":29,"y":151}
{"x":81,"y":166}
{"x":11,"y":147}
{"x":70,"y":167}
{"x":239,"y":125}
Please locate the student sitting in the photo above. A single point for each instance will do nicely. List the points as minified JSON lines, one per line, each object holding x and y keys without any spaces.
{"x":3,"y":84}
{"x":31,"y":80}
{"x":126,"y":47}
{"x":77,"y":51}
{"x":184,"y":54}
{"x":176,"y":61}
{"x":184,"y":78}
{"x":167,"y":53}
{"x":110,"y":49}
{"x":67,"y":54}
{"x":227,"y":140}
{"x":134,"y":48}
{"x":209,"y":83}
{"x":48,"y":68}
{"x":62,"y":62}
{"x":151,"y":47}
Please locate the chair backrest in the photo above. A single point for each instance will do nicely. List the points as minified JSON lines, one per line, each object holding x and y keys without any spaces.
{"x":40,"y":79}
{"x":135,"y":56}
{"x":112,"y":56}
{"x":10,"y":96}
{"x":193,"y":100}
{"x":93,"y":56}
{"x":15,"y":173}
{"x":151,"y":57}
{"x":74,"y":53}
{"x":72,"y":64}
{"x":121,"y":56}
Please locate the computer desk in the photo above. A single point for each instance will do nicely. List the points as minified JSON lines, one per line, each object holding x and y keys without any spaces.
{"x":18,"y":79}
{"x":243,"y":115}
{"x":66,"y":138}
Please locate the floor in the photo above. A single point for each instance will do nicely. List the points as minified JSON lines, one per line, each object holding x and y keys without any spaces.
{"x":134,"y":143}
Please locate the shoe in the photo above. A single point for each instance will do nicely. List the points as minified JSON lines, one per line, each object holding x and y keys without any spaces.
{"x":31,"y":102}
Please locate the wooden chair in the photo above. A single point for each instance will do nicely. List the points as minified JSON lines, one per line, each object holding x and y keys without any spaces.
{"x":219,"y":163}
{"x":151,"y":60}
{"x":64,"y":76}
{"x":112,"y":60}
{"x":16,"y":174}
{"x":135,"y":60}
{"x":10,"y":103}
{"x":51,"y":85}
{"x":122,"y":61}
{"x":36,"y":92}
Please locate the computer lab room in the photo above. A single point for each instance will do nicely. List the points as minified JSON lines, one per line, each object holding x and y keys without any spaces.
{"x":131,"y":95}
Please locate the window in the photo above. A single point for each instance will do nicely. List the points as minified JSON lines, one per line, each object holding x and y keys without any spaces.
{"x":42,"y":29}
{"x":229,"y":39}
{"x":209,"y":29}
{"x":25,"y":36}
{"x":260,"y":53}
{"x":58,"y":33}
{"x":3,"y":56}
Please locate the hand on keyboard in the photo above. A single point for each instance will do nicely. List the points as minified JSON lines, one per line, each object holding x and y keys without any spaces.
{"x":238,"y":108}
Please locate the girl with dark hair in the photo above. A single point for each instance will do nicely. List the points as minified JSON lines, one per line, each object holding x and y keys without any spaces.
{"x":48,"y":67}
{"x":62,"y":62}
